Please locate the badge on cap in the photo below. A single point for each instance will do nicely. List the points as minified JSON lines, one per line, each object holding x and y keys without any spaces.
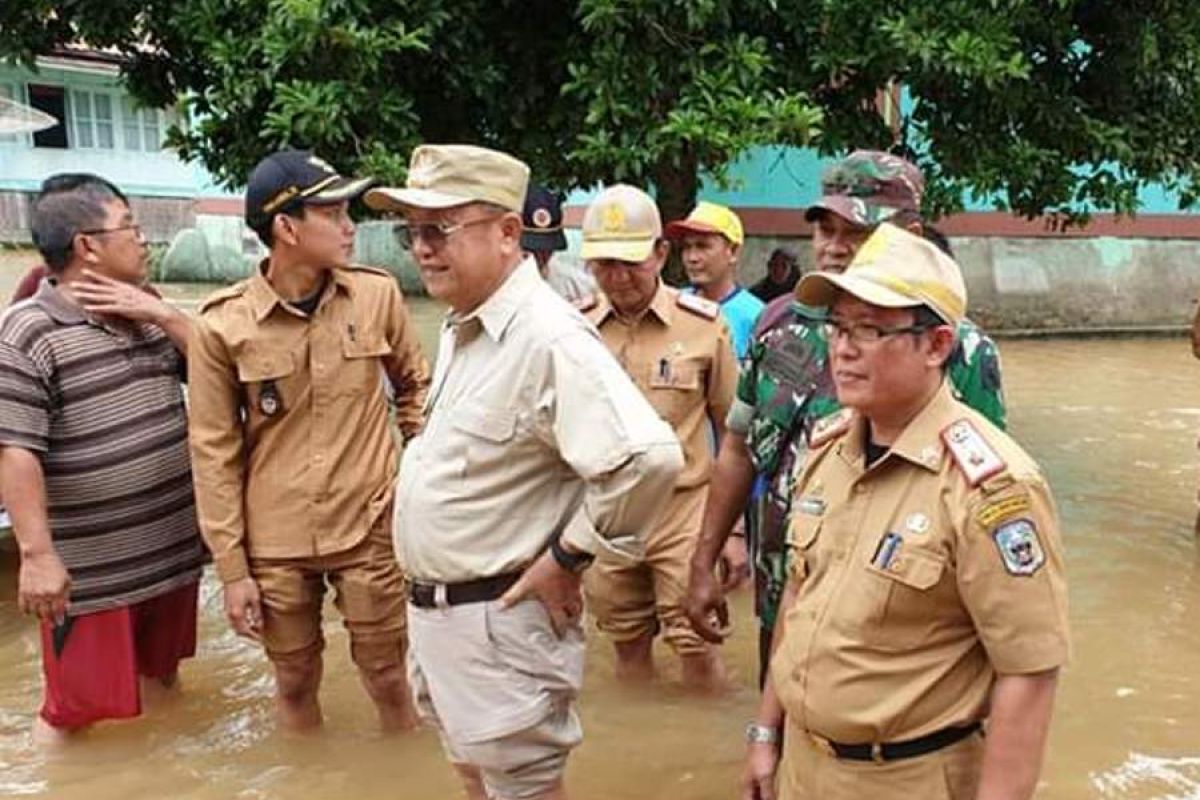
{"x":613,"y":218}
{"x":1020,"y":549}
{"x":541,"y":218}
{"x":268,"y":399}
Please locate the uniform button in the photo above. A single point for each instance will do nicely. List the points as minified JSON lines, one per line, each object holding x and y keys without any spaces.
{"x":896,"y":565}
{"x":318,"y":458}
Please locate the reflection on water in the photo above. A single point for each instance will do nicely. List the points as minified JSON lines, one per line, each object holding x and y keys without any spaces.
{"x":1113,"y":424}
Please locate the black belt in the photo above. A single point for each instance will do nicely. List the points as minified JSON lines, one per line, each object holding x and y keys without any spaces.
{"x":893,"y":751}
{"x":425,"y":595}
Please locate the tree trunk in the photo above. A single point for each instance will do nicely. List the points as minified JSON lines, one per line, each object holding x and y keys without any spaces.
{"x":676,"y":188}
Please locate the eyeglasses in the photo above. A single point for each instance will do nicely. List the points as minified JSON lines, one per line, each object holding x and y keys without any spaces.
{"x":434,"y":234}
{"x":861,"y":333}
{"x":133,"y":226}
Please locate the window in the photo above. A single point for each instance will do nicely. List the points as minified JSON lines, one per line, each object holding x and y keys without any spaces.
{"x":92,"y":119}
{"x":10,"y":91}
{"x":143,"y":128}
{"x":52,"y":100}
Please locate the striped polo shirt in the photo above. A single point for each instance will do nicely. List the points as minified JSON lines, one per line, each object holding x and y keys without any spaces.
{"x":101,"y":404}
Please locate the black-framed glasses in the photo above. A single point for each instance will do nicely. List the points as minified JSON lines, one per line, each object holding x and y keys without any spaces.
{"x":868,"y":333}
{"x":133,"y":226}
{"x":434,"y":234}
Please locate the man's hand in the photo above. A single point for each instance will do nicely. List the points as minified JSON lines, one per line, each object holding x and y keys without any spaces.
{"x":243,"y":608}
{"x":734,"y":564}
{"x":103,"y":295}
{"x":557,"y":589}
{"x":758,"y":774}
{"x":705,"y":605}
{"x":43,"y":586}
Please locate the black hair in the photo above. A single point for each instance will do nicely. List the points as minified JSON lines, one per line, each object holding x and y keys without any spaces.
{"x":68,"y":204}
{"x":262,"y":226}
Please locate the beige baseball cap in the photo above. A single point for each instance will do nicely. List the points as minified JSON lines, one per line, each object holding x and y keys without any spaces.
{"x":622,"y":223}
{"x":894,"y":269}
{"x":448,"y":175}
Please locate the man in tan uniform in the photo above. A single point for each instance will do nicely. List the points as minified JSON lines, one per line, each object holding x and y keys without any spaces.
{"x":926,"y":597}
{"x":538,"y":453}
{"x":676,"y":349}
{"x":293,"y":454}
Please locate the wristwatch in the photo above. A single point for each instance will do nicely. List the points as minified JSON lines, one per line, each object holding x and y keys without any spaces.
{"x":571,"y":562}
{"x":761,"y":734}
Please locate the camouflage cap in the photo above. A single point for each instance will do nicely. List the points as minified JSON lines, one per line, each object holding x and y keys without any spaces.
{"x":868,"y":187}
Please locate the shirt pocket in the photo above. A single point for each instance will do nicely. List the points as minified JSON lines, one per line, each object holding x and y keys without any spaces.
{"x":362,"y":371}
{"x":675,"y":387}
{"x":903,"y":602}
{"x":486,"y":437}
{"x":268,"y":383}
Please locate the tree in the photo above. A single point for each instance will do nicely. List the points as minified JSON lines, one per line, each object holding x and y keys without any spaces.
{"x":1037,"y":106}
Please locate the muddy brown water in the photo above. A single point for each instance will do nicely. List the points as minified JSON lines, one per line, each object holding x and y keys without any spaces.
{"x":1113,"y":423}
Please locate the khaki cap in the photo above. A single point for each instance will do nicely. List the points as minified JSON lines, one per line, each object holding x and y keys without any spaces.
{"x":894,"y":269}
{"x":622,"y":223}
{"x":448,"y":175}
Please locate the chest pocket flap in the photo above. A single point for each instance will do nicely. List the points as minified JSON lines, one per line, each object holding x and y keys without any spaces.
{"x":676,"y":375}
{"x":916,"y":569}
{"x":256,"y":367}
{"x":491,"y":424}
{"x":365,"y":344}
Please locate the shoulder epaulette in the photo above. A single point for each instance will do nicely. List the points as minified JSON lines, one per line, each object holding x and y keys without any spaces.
{"x":828,"y":428}
{"x":586,"y":303}
{"x":975,"y":457}
{"x":221,"y":295}
{"x":700,"y":306}
{"x":375,"y":270}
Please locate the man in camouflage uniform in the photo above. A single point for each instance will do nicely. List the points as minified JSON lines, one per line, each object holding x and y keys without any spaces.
{"x":785,"y":386}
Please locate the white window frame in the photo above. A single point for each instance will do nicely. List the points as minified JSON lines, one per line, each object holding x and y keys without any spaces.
{"x":88,"y":122}
{"x":140,"y":120}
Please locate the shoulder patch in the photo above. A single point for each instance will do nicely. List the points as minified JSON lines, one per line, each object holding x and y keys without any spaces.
{"x":1020,"y":548}
{"x":374,"y":270}
{"x":830,"y":427}
{"x":975,"y":457}
{"x":221,"y":295}
{"x":700,"y":306}
{"x":586,"y":303}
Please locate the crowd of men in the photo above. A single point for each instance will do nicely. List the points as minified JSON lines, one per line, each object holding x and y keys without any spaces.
{"x":587,"y":440}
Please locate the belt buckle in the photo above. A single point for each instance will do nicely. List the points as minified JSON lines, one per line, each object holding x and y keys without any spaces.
{"x":822,"y":744}
{"x":877,"y":753}
{"x":440,"y":600}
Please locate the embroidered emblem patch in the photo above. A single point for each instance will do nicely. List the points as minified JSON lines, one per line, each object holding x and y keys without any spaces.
{"x":1020,"y":549}
{"x":541,"y":218}
{"x":1003,"y":509}
{"x":916,"y":523}
{"x":813,"y":506}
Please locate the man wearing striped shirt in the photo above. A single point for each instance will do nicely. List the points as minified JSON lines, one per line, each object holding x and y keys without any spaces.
{"x":94,"y":463}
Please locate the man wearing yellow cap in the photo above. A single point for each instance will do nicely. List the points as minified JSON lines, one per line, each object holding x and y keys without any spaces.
{"x":711,"y":239}
{"x":676,"y":349}
{"x":926,"y":597}
{"x":537,"y":454}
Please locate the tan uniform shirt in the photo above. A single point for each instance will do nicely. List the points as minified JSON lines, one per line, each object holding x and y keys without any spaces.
{"x":290,"y":439}
{"x":917,"y":587}
{"x":679,"y":354}
{"x":533,"y":430}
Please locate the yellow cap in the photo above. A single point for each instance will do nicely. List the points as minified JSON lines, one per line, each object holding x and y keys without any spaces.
{"x":709,"y":218}
{"x":894,"y":269}
{"x":448,"y":175}
{"x":622,"y":223}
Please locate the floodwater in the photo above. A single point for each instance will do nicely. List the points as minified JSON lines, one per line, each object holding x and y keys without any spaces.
{"x":1113,"y":423}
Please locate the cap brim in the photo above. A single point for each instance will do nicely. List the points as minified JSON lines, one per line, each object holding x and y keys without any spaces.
{"x":340,"y":190}
{"x":682,"y":227}
{"x":820,"y":289}
{"x":543,"y":240}
{"x":391,"y":199}
{"x":845,"y":207}
{"x":619,"y":250}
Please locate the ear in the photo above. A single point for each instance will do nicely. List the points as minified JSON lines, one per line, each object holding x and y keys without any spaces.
{"x":510,"y":231}
{"x":82,"y":249}
{"x":283,"y":229}
{"x":915,"y":227}
{"x":662,"y":249}
{"x":941,"y":344}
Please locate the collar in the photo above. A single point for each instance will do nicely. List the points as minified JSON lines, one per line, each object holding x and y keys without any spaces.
{"x":263,"y":297}
{"x":920,"y":442}
{"x":734,"y":292}
{"x":662,"y":305}
{"x":57,"y":305}
{"x":496,"y":313}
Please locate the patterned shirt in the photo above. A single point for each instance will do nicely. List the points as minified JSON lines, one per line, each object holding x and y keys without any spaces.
{"x":102,"y":407}
{"x":785,"y":386}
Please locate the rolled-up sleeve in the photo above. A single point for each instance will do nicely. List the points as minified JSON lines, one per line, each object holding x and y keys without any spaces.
{"x":216,"y":439}
{"x":609,"y":434}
